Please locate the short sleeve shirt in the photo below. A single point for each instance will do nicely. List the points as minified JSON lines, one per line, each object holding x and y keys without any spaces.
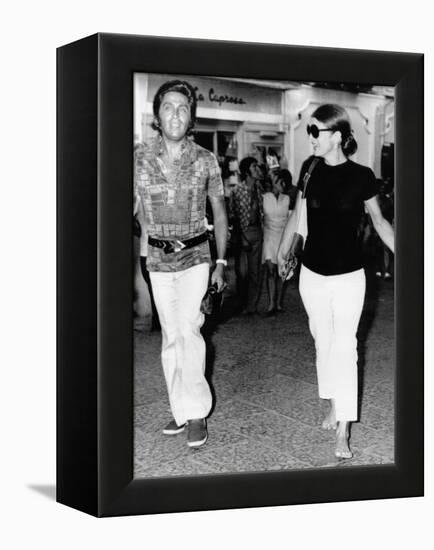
{"x":247,"y":205}
{"x":335,"y":205}
{"x":175,"y":207}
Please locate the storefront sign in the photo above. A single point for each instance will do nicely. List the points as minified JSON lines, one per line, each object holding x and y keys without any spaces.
{"x":219,"y":98}
{"x":222,"y":94}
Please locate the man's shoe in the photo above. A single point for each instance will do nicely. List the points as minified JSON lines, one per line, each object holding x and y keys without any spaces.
{"x":196,"y":432}
{"x":172,"y":428}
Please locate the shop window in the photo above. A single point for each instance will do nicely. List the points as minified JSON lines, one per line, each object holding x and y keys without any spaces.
{"x":205,"y":139}
{"x":222,"y":144}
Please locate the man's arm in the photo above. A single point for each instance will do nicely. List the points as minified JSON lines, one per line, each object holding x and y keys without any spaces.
{"x":218,"y":206}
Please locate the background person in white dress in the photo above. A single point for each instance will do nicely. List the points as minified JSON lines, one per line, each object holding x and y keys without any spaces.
{"x":276,"y":205}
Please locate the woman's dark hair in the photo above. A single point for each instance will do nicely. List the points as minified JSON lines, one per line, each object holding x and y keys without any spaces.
{"x":285,"y":176}
{"x":336,"y":118}
{"x":182,"y":87}
{"x":245,"y":166}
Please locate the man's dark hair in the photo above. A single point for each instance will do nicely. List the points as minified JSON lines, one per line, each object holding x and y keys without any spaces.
{"x":182,"y":87}
{"x":245,"y":166}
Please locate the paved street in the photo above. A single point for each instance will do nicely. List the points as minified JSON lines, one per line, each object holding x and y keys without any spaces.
{"x":267,"y":414}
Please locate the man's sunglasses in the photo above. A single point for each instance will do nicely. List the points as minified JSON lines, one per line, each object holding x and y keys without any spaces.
{"x":313,"y":130}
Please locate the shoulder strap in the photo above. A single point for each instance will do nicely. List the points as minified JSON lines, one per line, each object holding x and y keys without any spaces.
{"x":307,"y":175}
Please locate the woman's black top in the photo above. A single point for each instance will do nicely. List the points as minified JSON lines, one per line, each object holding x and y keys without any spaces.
{"x":335,"y":205}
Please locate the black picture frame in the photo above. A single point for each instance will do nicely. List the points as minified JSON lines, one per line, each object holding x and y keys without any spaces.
{"x":95,"y":281}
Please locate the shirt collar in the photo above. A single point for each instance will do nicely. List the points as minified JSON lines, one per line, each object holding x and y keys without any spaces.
{"x":189,"y":149}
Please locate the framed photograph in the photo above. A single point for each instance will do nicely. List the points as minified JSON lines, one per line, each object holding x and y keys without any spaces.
{"x":154,"y":136}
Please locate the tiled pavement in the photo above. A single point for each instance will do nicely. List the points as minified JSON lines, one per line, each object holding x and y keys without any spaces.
{"x":267,"y":413}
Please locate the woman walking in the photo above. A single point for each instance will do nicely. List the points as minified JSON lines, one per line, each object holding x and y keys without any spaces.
{"x":332,"y":280}
{"x":276,"y":205}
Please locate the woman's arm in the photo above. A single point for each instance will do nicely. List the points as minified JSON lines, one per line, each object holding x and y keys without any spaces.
{"x":381,"y":225}
{"x":291,"y":225}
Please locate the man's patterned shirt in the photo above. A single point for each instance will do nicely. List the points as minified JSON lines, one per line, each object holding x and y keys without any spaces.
{"x":243,"y":199}
{"x":174,"y":206}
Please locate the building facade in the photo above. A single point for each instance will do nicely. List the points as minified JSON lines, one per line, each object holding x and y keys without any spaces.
{"x":237,"y":117}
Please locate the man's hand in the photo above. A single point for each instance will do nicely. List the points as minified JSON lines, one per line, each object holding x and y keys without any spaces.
{"x":246,"y":245}
{"x":217,"y":277}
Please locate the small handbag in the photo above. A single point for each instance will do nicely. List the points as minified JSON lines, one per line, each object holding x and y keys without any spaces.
{"x":211,"y":300}
{"x":299,"y":237}
{"x":137,"y":228}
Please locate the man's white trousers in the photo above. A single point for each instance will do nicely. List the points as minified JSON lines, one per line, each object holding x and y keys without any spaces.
{"x":178,"y":296}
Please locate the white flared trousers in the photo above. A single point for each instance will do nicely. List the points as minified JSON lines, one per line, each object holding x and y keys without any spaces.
{"x":334,"y":305}
{"x":177,"y":297}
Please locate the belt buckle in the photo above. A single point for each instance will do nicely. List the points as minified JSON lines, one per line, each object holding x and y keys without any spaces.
{"x":178,"y":245}
{"x":168,"y":247}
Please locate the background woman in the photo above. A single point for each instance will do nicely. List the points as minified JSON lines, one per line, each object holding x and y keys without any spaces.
{"x":332,"y":280}
{"x":276,"y":205}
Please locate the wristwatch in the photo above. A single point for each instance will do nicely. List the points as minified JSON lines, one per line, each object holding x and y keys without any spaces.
{"x":221,"y":261}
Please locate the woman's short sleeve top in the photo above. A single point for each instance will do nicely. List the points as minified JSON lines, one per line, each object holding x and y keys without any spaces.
{"x":335,"y":206}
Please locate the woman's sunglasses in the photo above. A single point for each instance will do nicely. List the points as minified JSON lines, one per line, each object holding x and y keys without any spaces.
{"x":313,"y":130}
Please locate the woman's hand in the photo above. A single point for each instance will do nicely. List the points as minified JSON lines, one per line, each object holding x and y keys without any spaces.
{"x":281,"y":265}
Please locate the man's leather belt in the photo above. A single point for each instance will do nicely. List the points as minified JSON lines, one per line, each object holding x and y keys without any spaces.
{"x":175,"y":245}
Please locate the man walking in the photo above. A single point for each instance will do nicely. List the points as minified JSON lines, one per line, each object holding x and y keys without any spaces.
{"x":173,"y":178}
{"x":247,"y":206}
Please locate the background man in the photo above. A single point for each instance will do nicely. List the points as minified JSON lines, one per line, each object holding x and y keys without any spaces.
{"x":247,"y":209}
{"x":173,"y":177}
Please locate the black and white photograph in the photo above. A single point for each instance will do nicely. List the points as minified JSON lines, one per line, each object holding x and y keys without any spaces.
{"x":264,"y":284}
{"x":248,"y":339}
{"x":181,"y":366}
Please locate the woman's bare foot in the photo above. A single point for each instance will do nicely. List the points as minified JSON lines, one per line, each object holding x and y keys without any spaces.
{"x":329,"y":422}
{"x":271,"y":309}
{"x":342,"y":449}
